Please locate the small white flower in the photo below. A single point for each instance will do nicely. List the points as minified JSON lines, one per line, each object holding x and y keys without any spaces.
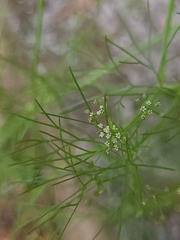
{"x":142,"y":116}
{"x":149,"y":112}
{"x":108,"y":135}
{"x":90,"y":120}
{"x":91,"y":114}
{"x":118,"y":135}
{"x":107,"y":143}
{"x":143,"y":109}
{"x":148,"y":103}
{"x":98,"y":112}
{"x":137,"y":100}
{"x":106,"y":129}
{"x":100,"y":125}
{"x":101,"y":134}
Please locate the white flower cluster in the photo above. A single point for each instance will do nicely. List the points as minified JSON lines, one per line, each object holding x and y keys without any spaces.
{"x":92,"y":115}
{"x":112,"y":136}
{"x":110,"y":132}
{"x":147,"y":108}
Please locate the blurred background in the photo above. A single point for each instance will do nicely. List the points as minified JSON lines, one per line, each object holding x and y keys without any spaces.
{"x":39,"y":40}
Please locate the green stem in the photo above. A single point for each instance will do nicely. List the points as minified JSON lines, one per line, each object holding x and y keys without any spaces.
{"x":167,"y":30}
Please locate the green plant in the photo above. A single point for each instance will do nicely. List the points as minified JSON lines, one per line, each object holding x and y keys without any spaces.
{"x":122,"y":166}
